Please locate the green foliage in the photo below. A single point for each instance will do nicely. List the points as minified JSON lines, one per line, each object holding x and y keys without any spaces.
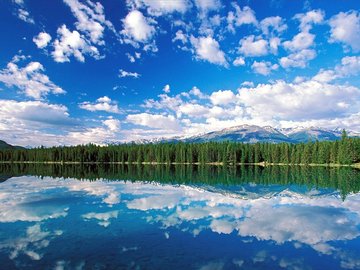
{"x":345,"y":151}
{"x":340,"y":178}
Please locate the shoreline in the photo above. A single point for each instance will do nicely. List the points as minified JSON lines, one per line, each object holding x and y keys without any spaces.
{"x":262,"y":164}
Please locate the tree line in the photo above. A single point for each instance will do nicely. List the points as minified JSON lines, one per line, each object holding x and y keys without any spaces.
{"x":344,"y":179}
{"x":344,"y":151}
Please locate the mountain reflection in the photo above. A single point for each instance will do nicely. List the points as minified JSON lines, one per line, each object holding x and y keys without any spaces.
{"x":37,"y":214}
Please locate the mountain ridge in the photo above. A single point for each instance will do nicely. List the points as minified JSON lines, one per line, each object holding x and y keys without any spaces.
{"x":5,"y":146}
{"x":253,"y":134}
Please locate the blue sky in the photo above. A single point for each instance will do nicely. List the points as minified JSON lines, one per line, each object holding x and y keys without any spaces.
{"x":76,"y":71}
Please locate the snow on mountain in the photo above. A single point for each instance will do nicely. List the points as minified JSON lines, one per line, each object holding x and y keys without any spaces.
{"x":243,"y":133}
{"x":254,"y":134}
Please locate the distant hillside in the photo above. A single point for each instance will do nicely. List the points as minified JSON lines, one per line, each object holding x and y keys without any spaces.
{"x":4,"y":145}
{"x":254,"y":134}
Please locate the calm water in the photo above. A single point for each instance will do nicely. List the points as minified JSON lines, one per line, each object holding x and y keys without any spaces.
{"x":119,"y":217}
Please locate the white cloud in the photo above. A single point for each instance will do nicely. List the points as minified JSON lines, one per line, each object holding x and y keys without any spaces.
{"x":207,"y":5}
{"x":239,"y":61}
{"x":197,"y":92}
{"x":180,"y":36}
{"x":207,"y":48}
{"x":103,"y":218}
{"x":31,"y":113}
{"x":137,"y":28}
{"x":154,"y":202}
{"x":350,"y":66}
{"x":273,"y":25}
{"x":298,"y":59}
{"x":90,"y":19}
{"x":112,"y":124}
{"x":29,"y":79}
{"x":22,"y":12}
{"x":274,"y":43}
{"x":124,"y":74}
{"x":103,"y":134}
{"x":165,"y":103}
{"x":222,"y":97}
{"x":309,"y":18}
{"x":301,"y":41}
{"x":193,"y":110}
{"x":166,"y":89}
{"x":156,"y":121}
{"x":42,"y":40}
{"x":251,"y":46}
{"x":240,"y":17}
{"x":159,"y":8}
{"x":130,"y":57}
{"x":38,"y":123}
{"x":263,"y":67}
{"x":248,"y":84}
{"x":345,"y":28}
{"x":102,"y":104}
{"x":302,"y":101}
{"x":72,"y":44}
{"x":31,"y":243}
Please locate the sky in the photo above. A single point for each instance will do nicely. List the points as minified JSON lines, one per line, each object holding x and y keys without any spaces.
{"x":82,"y":71}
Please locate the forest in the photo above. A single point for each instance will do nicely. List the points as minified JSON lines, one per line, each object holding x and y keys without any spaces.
{"x":345,"y":151}
{"x":345,"y":179}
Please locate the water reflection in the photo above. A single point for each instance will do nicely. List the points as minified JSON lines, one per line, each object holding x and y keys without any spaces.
{"x":64,"y":223}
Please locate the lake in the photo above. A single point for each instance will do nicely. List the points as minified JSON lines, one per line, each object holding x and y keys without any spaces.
{"x":178,"y":217}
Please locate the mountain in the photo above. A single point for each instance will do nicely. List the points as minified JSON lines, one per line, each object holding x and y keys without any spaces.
{"x":254,"y":134}
{"x":243,"y":133}
{"x":301,"y":134}
{"x":4,"y":146}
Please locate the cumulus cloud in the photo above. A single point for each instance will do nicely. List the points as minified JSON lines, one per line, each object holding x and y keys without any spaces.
{"x":240,"y":17}
{"x":103,"y":218}
{"x":298,"y":59}
{"x":21,"y":11}
{"x":99,"y":134}
{"x":165,"y":102}
{"x":158,"y":8}
{"x":180,"y":36}
{"x":72,"y":43}
{"x":345,"y":28}
{"x":31,"y":243}
{"x":303,"y":101}
{"x":166,"y":88}
{"x":239,"y":61}
{"x":112,"y":124}
{"x":300,"y":44}
{"x":222,"y":97}
{"x":263,"y":67}
{"x":193,"y":110}
{"x":90,"y":19}
{"x":249,"y":215}
{"x":207,"y":5}
{"x":90,"y":27}
{"x":350,"y":66}
{"x":273,"y":25}
{"x":156,"y":121}
{"x":27,"y":113}
{"x":102,"y":104}
{"x":29,"y":79}
{"x":42,"y":40}
{"x":137,"y":28}
{"x":124,"y":74}
{"x":301,"y":41}
{"x":38,"y":123}
{"x":308,"y":19}
{"x":251,"y":46}
{"x":207,"y":48}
